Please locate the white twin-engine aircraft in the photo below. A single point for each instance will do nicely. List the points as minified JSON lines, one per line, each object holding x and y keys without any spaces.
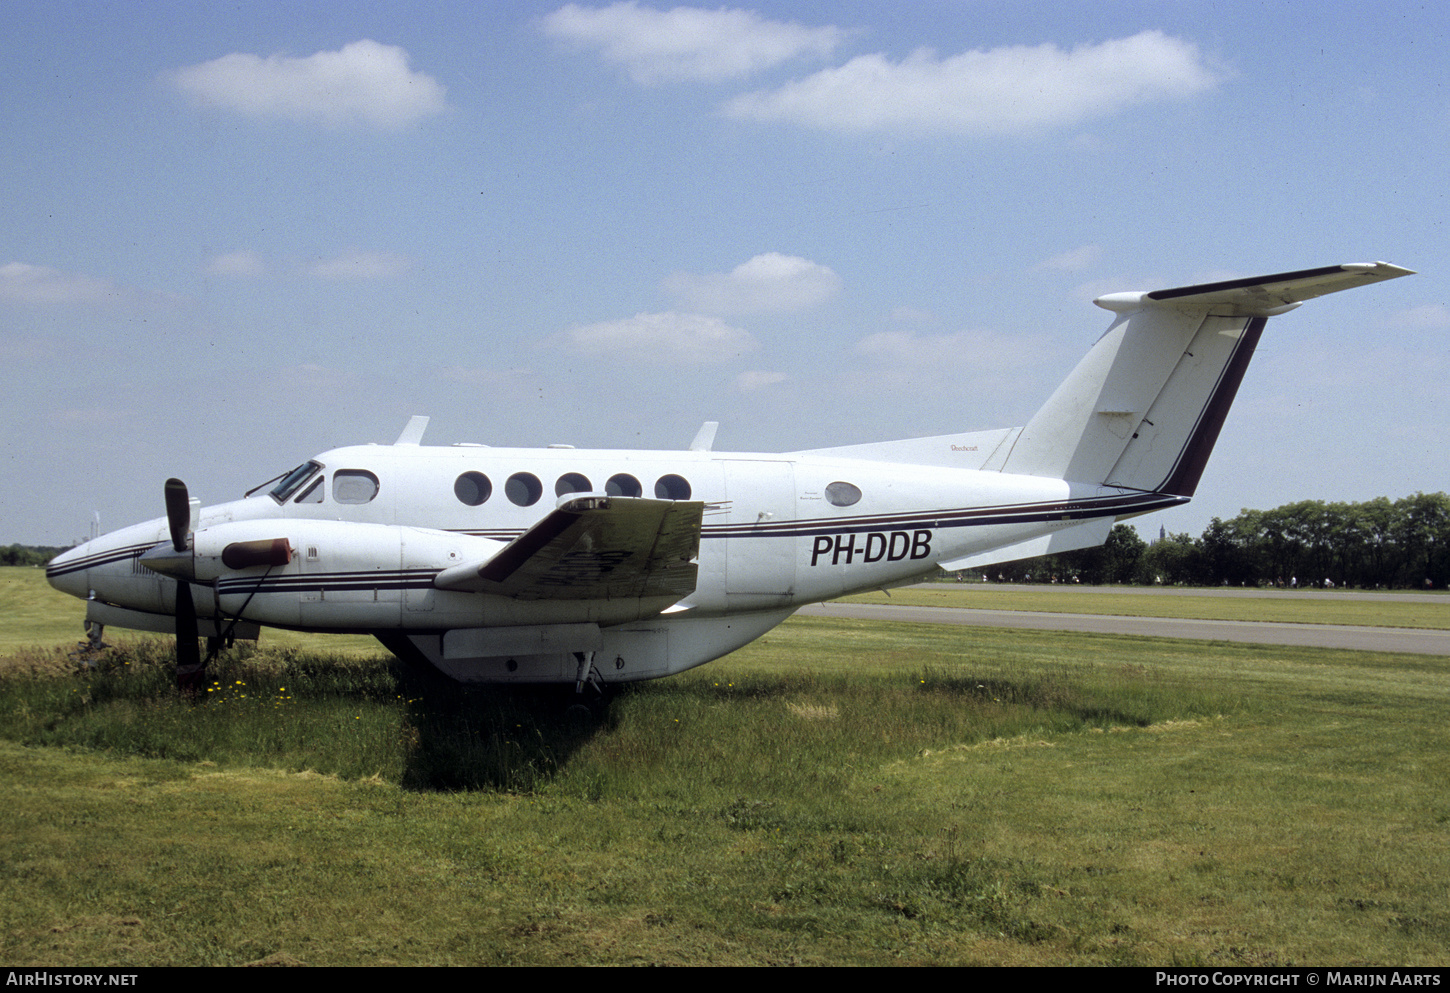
{"x":557,"y":565}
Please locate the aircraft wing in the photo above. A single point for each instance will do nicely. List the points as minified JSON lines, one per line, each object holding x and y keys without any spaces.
{"x":593,"y":548}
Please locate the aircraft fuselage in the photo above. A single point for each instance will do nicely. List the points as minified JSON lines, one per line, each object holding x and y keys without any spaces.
{"x":373,"y":526}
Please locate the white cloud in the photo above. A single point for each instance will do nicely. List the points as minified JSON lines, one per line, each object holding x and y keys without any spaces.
{"x":758,"y":379}
{"x":361,"y":83}
{"x":999,"y":378}
{"x":895,"y":345}
{"x":241,"y":264}
{"x":1001,"y":90}
{"x":361,"y":265}
{"x":670,"y":338}
{"x":768,"y":283}
{"x":25,"y":283}
{"x":688,"y":43}
{"x":1072,"y":261}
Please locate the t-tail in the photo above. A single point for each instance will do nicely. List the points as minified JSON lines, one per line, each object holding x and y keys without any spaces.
{"x":1144,"y":407}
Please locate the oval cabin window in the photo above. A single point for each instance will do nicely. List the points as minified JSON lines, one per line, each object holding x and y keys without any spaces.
{"x":524,"y":489}
{"x":572,"y":482}
{"x":672,"y":487}
{"x":472,"y":488}
{"x":623,"y":485}
{"x":843,"y":494}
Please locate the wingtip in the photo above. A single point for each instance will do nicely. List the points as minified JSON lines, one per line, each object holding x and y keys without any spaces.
{"x":1382,"y":270}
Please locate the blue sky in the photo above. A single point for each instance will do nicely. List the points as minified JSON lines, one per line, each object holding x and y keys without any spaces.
{"x":234,"y":236}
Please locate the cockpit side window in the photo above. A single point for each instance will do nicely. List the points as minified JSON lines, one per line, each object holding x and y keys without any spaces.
{"x":293,"y":481}
{"x":313,"y":493}
{"x":354,"y":486}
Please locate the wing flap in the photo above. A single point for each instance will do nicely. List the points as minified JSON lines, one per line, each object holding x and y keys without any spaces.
{"x":594,"y":548}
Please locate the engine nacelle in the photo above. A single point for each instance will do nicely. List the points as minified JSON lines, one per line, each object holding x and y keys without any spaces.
{"x":328,"y":575}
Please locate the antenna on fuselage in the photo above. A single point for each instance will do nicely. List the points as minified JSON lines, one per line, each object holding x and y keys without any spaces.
{"x":413,"y":432}
{"x":705,"y":437}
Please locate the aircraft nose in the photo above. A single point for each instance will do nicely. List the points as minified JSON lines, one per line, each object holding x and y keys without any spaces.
{"x":106,"y":566}
{"x":67,"y":571}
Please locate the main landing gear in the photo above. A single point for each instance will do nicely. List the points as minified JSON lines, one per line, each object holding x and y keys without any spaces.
{"x":590,"y":700}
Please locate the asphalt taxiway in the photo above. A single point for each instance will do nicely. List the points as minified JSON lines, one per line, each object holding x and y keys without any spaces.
{"x":1375,"y":639}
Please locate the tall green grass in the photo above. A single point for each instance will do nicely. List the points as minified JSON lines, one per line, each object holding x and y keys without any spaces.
{"x":838,"y":792}
{"x":280,"y":708}
{"x":290,"y":709}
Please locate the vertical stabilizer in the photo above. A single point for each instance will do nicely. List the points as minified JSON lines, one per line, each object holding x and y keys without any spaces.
{"x":1144,"y":407}
{"x":1172,"y":442}
{"x":1083,"y":428}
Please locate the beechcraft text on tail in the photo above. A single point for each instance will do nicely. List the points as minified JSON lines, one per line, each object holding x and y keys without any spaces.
{"x":561,"y":565}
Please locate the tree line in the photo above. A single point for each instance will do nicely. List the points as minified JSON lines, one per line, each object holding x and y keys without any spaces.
{"x":27,"y":554}
{"x":1378,"y":544}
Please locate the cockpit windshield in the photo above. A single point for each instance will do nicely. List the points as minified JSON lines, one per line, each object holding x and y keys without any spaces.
{"x":294,"y":479}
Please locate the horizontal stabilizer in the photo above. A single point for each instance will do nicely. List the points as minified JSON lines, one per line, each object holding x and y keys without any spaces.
{"x":1259,"y":296}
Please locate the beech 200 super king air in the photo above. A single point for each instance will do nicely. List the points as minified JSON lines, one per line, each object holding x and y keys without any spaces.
{"x":557,"y":565}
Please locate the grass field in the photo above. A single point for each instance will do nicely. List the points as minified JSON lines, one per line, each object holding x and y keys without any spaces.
{"x":838,"y":792}
{"x":1065,"y":599}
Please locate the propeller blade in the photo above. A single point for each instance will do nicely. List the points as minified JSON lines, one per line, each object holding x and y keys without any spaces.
{"x":178,"y":513}
{"x":190,"y":672}
{"x":175,"y":561}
